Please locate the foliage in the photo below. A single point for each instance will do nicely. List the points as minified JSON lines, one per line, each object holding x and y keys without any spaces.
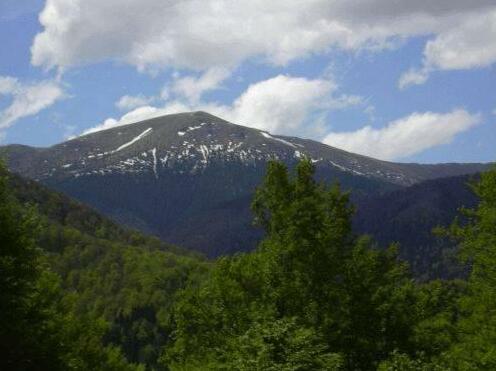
{"x":81,"y":293}
{"x":23,"y":319}
{"x":476,"y":329}
{"x":38,"y":331}
{"x":78,"y":291}
{"x":351,"y":301}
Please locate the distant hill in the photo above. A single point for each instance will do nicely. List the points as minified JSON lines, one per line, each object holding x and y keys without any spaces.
{"x":60,"y":210}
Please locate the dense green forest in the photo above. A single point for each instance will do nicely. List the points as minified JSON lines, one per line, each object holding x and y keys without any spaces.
{"x":80,"y":293}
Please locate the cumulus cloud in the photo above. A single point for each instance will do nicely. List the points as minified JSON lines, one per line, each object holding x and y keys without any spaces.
{"x":187,"y":88}
{"x":286,"y":104}
{"x":129,"y":102}
{"x":192,"y":88}
{"x":413,"y":77}
{"x":136,"y":115}
{"x":469,"y":43}
{"x":406,"y":136}
{"x":281,"y":104}
{"x":8,"y":85}
{"x":26,"y":99}
{"x":205,"y":34}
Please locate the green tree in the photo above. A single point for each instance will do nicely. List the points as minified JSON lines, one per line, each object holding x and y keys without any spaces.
{"x":38,"y":326}
{"x":457,"y":330}
{"x":348,"y":303}
{"x":474,"y":348}
{"x":23,"y":317}
{"x":358,"y":297}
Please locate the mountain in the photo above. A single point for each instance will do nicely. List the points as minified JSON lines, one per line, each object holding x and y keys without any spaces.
{"x":57,"y":209}
{"x":188,"y":178}
{"x":407,"y":216}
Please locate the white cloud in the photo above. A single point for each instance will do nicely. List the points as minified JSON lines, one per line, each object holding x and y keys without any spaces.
{"x":281,"y":104}
{"x":204,"y":34}
{"x":406,"y":136}
{"x":471,"y":44}
{"x":186,"y":88}
{"x":136,"y":115}
{"x":192,"y":88}
{"x":129,"y":102}
{"x":297,"y":106}
{"x":7,"y":85}
{"x":467,"y":44}
{"x":413,"y":77}
{"x":27,"y":99}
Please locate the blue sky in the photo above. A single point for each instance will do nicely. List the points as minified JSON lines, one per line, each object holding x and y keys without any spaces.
{"x":413,"y":83}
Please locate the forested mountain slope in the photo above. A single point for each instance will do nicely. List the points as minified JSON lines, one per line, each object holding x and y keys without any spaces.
{"x":188,"y":178}
{"x":408,"y":217}
{"x":121,"y":281}
{"x":312,"y":296}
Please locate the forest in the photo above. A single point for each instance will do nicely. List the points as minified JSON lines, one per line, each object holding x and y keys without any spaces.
{"x":78,"y":292}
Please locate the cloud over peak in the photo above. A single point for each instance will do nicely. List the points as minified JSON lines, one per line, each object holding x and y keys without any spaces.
{"x":297,"y":105}
{"x":280,"y":104}
{"x":129,"y":102}
{"x":406,"y":136}
{"x":205,"y":34}
{"x":192,"y":88}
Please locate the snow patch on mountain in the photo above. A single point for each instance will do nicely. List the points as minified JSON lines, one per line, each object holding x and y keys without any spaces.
{"x":190,"y":128}
{"x":268,"y":136}
{"x":339,"y":166}
{"x":154,"y":154}
{"x":134,"y":140}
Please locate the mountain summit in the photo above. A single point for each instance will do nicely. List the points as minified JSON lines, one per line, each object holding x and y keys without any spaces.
{"x":188,"y":142}
{"x":189,"y":177}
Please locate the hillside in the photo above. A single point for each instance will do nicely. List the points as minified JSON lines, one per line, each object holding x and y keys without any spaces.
{"x":136,"y":306}
{"x":408,"y":216}
{"x":59,"y":209}
{"x":109,"y":273}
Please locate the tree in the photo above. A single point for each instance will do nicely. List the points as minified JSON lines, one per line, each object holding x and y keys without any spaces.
{"x":458,"y":328}
{"x":38,"y":326}
{"x":343,"y":302}
{"x":23,"y":318}
{"x":476,"y":329}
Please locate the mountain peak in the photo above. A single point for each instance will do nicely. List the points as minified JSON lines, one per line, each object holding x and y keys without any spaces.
{"x":189,"y":177}
{"x":205,"y":115}
{"x":190,"y":142}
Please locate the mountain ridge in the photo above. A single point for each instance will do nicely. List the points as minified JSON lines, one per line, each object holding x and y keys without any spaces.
{"x":188,"y":178}
{"x":182,"y":137}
